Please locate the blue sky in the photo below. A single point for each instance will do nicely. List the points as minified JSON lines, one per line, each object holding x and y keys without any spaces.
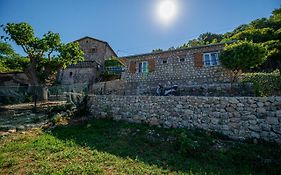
{"x":129,"y":26}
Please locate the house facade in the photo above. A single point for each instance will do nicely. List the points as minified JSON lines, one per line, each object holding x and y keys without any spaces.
{"x":195,"y":65}
{"x":95,"y":54}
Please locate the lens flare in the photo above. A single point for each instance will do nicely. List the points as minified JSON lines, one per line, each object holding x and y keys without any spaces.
{"x":166,"y":11}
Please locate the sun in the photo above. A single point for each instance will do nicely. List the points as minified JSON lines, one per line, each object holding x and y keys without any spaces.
{"x":166,"y":11}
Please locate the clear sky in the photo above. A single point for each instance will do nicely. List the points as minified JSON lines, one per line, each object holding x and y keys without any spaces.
{"x":133,"y":26}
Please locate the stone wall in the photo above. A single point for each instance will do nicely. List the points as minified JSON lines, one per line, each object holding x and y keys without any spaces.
{"x":75,"y":75}
{"x":180,"y":64}
{"x":88,"y":71}
{"x":121,"y":87}
{"x":13,"y":79}
{"x":236,"y":117}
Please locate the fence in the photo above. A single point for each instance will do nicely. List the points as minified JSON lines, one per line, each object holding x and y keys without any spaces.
{"x":27,"y":94}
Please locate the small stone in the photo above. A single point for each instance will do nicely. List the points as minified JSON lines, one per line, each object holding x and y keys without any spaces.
{"x":253,"y":122}
{"x":20,"y":127}
{"x":277,"y":129}
{"x":255,"y":128}
{"x":272,"y":120}
{"x":278,"y":113}
{"x":225,"y":127}
{"x":178,"y":106}
{"x":154,"y":121}
{"x":167,"y":124}
{"x":261,"y":110}
{"x":229,"y":109}
{"x":12,"y":130}
{"x":260,"y":104}
{"x":188,"y":112}
{"x":215,"y":121}
{"x":251,"y":116}
{"x":265,"y":127}
{"x":103,"y":114}
{"x":233,"y":100}
{"x":240,"y":105}
{"x":255,"y":141}
{"x":255,"y":135}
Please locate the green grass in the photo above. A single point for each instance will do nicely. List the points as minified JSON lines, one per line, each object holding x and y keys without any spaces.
{"x":110,"y":147}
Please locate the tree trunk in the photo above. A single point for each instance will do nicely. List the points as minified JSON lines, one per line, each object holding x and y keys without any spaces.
{"x":42,"y":93}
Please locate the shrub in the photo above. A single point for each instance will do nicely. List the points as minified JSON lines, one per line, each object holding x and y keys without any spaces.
{"x":265,"y":84}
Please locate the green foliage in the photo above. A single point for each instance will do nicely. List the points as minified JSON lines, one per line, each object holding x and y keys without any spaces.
{"x":194,"y":143}
{"x":203,"y":39}
{"x":112,"y":62}
{"x":5,"y":50}
{"x":57,"y":119}
{"x":15,"y":64}
{"x":242,"y":55}
{"x":47,"y":54}
{"x":265,"y":84}
{"x":108,"y":76}
{"x":9,"y":60}
{"x":157,"y":50}
{"x":255,"y":35}
{"x":274,"y":53}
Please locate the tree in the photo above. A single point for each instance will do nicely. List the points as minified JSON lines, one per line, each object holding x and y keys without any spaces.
{"x":274,"y":53}
{"x":255,"y":35}
{"x":9,"y":60}
{"x":47,"y":55}
{"x":241,"y":56}
{"x":5,"y":50}
{"x":275,"y":19}
{"x":208,"y":38}
{"x":157,"y":50}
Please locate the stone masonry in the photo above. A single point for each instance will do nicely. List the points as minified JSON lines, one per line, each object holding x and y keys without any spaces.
{"x":237,"y":117}
{"x":95,"y":54}
{"x":179,"y":64}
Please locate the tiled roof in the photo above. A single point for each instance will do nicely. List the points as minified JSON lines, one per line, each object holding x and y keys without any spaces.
{"x":84,"y":64}
{"x":176,"y":50}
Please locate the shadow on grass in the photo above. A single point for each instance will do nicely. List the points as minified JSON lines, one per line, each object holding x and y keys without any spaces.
{"x":199,"y":152}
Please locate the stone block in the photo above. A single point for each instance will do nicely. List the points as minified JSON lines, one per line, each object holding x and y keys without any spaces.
{"x":272,"y":120}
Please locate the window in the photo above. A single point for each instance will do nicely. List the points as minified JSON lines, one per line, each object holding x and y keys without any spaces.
{"x":94,"y":50}
{"x":181,"y":60}
{"x":70,"y":74}
{"x":143,"y":66}
{"x":211,"y":59}
{"x":164,"y":61}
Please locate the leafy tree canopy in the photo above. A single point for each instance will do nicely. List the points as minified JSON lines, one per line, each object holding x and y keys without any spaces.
{"x":9,"y":60}
{"x":243,"y":55}
{"x":47,"y":54}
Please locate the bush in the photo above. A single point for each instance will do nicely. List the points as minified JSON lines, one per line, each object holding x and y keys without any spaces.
{"x":195,"y":143}
{"x":265,"y":84}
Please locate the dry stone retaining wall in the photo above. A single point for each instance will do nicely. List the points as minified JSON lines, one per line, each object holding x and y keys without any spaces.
{"x":236,"y":117}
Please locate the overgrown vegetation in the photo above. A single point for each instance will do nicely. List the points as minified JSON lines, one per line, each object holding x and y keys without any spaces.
{"x":109,"y":147}
{"x":47,"y":55}
{"x":242,"y":56}
{"x":112,"y":70}
{"x":9,"y":60}
{"x":265,"y":84}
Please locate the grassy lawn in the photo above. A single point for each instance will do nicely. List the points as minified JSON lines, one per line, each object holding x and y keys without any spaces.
{"x":110,"y":147}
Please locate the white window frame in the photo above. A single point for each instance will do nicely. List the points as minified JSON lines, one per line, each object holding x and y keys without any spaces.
{"x":210,"y":59}
{"x":143,"y":69}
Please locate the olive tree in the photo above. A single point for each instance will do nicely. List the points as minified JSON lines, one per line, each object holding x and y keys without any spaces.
{"x":242,"y":56}
{"x":47,"y":54}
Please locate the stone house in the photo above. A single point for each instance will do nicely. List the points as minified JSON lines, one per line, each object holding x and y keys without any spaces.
{"x":95,"y":53}
{"x":196,"y":71}
{"x":194,"y":65}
